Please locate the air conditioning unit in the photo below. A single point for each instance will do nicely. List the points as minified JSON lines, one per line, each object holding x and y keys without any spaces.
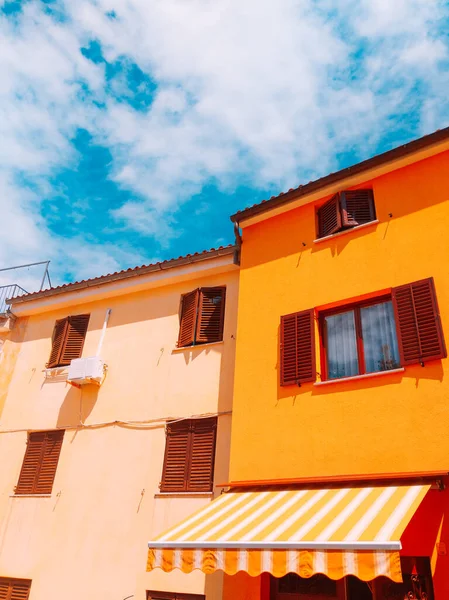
{"x":86,"y":370}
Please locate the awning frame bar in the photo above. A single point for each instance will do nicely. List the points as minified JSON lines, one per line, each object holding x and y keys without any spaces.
{"x":316,"y":545}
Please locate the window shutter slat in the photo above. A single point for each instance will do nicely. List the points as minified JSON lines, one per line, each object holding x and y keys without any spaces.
{"x":174,"y":474}
{"x":49,"y":463}
{"x":211,"y":314}
{"x":298,"y":348}
{"x":329,"y":217}
{"x":74,"y":340}
{"x":420,"y":334}
{"x":188,"y":318}
{"x":202,"y":455}
{"x":59,"y":334}
{"x":357,"y":207}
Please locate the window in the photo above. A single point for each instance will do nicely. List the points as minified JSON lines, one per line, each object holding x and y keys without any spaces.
{"x":189,"y":456}
{"x":417,"y":585}
{"x":40,"y":463}
{"x":173,"y":596}
{"x":401,"y":329}
{"x":360,"y":340}
{"x":14,"y":589}
{"x":68,"y":340}
{"x":345,"y":210}
{"x":202,"y":316}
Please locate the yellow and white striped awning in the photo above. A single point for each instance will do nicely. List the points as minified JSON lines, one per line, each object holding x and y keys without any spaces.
{"x":347,"y":531}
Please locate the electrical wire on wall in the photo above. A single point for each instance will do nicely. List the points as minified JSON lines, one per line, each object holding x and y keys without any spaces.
{"x":144,"y":424}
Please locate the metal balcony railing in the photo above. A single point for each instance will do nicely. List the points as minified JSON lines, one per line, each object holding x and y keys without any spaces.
{"x":9,"y":291}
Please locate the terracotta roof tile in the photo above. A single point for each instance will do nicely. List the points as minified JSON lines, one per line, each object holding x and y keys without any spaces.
{"x":311,"y":186}
{"x":124,"y":274}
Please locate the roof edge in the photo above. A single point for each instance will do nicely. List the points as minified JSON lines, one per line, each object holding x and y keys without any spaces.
{"x":370,"y":163}
{"x":128,"y":274}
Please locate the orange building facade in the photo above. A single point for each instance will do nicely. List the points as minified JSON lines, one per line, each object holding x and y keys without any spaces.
{"x":367,"y":413}
{"x":339,"y":449}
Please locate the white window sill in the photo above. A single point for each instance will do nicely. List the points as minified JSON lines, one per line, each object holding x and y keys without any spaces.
{"x":184,"y":495}
{"x":184,"y":348}
{"x":346,"y":231}
{"x":357,"y":377}
{"x":30,"y":495}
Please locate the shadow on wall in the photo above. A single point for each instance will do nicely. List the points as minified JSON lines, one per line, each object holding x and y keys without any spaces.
{"x":77,"y":405}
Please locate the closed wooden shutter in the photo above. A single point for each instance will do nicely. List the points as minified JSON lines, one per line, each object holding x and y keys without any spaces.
{"x":49,"y":463}
{"x":202,"y":455}
{"x":31,"y":463}
{"x":357,"y":207}
{"x":174,"y":474}
{"x":189,"y":310}
{"x":298,"y":348}
{"x":211,"y":314}
{"x":420,"y":334}
{"x":58,"y":338}
{"x":329,"y":217}
{"x":189,"y":456}
{"x":40,"y":462}
{"x":14,"y":589}
{"x":74,"y":339}
{"x":4,"y":589}
{"x":20,"y":590}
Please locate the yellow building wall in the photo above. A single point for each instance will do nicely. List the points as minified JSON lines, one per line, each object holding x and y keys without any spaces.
{"x":88,"y":539}
{"x":392,"y":423}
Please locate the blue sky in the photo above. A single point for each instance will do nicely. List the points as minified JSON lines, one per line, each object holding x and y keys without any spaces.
{"x":132,"y":129}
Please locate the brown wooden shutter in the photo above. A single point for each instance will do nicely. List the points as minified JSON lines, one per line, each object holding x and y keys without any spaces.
{"x":420,"y":334}
{"x":74,"y":339}
{"x":20,"y":590}
{"x":329,"y":217}
{"x":211,"y":314}
{"x":31,"y":463}
{"x":189,"y":310}
{"x":14,"y":589}
{"x":40,"y":462}
{"x":298,"y":348}
{"x":357,"y":207}
{"x":174,"y":473}
{"x":202,"y":455}
{"x":151,"y":595}
{"x":58,"y":338}
{"x":4,"y":589}
{"x":49,"y":463}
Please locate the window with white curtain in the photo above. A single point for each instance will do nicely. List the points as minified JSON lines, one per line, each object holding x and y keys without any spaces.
{"x":359,"y":340}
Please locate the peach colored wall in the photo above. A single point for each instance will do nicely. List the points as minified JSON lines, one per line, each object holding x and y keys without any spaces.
{"x":392,"y":423}
{"x":89,"y":538}
{"x":9,"y":349}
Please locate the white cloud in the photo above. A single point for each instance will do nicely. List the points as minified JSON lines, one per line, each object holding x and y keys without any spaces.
{"x":257,"y":92}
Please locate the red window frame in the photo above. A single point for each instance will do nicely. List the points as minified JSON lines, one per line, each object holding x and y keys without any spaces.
{"x":355,"y":306}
